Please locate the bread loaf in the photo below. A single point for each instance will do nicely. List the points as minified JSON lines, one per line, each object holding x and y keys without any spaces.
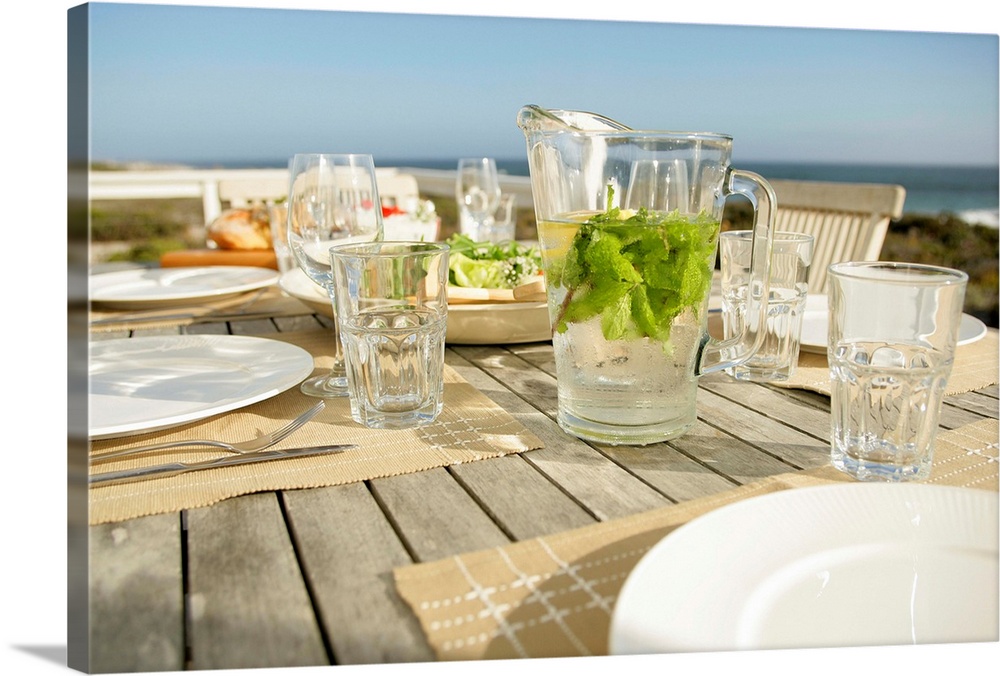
{"x":244,"y":228}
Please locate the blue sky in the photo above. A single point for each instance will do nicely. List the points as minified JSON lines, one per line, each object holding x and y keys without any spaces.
{"x":223,"y":84}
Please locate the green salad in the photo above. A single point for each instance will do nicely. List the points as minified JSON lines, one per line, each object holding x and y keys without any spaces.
{"x":485,"y":265}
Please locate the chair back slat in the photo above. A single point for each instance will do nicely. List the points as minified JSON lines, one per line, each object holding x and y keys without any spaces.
{"x":848,"y":220}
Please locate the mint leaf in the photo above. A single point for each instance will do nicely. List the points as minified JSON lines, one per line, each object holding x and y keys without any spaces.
{"x":593,"y":300}
{"x":606,"y":257}
{"x":637,"y":270}
{"x":643,"y":314}
{"x":615,"y":316}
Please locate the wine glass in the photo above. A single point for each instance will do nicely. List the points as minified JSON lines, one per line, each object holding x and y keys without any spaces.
{"x":332,"y":199}
{"x":477,"y":191}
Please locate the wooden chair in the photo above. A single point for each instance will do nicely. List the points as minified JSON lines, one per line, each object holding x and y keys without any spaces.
{"x":238,"y":193}
{"x":848,"y":220}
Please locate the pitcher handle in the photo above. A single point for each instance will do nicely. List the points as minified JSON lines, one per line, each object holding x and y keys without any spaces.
{"x":717,"y":355}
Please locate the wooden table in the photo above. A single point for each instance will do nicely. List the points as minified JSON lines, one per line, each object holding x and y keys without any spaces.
{"x":305,"y":577}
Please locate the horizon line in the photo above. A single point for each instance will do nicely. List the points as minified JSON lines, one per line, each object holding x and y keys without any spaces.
{"x":407,"y":161}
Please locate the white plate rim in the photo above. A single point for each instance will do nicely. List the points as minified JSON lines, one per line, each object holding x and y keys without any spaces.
{"x":297,"y":284}
{"x":956,"y":514}
{"x":265,"y":383}
{"x":246,"y":278}
{"x":970,"y":330}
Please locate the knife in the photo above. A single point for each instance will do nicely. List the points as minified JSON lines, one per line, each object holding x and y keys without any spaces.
{"x":175,"y":468}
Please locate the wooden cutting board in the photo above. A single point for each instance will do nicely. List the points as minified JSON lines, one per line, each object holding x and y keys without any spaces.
{"x":529,"y":292}
{"x":261,"y":258}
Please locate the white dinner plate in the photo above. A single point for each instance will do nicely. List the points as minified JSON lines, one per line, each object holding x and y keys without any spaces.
{"x":139,"y":288}
{"x":152,"y":383}
{"x":468,"y":323}
{"x":298,"y":285}
{"x":830,"y":566}
{"x":815,"y":323}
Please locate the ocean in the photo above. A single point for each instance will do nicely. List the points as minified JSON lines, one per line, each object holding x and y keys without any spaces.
{"x":970,"y":193}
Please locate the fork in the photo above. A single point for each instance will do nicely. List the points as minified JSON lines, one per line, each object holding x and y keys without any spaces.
{"x":258,"y":444}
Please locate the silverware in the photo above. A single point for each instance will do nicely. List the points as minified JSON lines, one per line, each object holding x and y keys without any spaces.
{"x":175,"y":468}
{"x":258,"y":444}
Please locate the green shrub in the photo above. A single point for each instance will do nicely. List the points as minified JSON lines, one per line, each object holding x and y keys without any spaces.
{"x":128,"y":220}
{"x":949,"y":241}
{"x":148,"y":251}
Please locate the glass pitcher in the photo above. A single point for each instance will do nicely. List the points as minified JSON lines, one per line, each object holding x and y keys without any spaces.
{"x":628,"y":225}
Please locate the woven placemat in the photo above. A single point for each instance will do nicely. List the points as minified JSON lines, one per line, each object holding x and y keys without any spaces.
{"x":471,"y":427}
{"x":977,"y":365}
{"x":553,"y":596}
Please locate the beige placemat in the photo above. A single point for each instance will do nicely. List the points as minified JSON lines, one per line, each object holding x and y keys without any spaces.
{"x":267,"y":302}
{"x":977,"y":365}
{"x":471,"y":427}
{"x":553,"y":596}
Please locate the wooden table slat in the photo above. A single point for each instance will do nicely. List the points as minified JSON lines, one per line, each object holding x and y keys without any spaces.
{"x":248,"y":602}
{"x":137,"y":595}
{"x":523,"y":501}
{"x":773,"y":438}
{"x":348,"y":549}
{"x":436,"y":516}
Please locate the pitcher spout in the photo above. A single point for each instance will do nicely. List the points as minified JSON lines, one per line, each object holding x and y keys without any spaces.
{"x":532,"y":118}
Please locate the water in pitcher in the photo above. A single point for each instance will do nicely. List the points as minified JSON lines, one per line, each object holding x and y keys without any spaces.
{"x":627,"y":296}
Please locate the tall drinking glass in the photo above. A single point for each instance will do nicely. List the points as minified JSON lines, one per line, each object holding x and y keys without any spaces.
{"x":893,"y":331}
{"x":477,"y":191}
{"x":393,"y":314}
{"x":332,"y":199}
{"x":791,"y":256}
{"x":504,"y":226}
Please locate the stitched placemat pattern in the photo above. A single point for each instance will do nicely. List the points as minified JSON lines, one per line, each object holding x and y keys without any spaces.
{"x":553,"y":596}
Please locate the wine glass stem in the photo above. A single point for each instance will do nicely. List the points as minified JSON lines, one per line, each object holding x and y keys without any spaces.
{"x":338,"y":369}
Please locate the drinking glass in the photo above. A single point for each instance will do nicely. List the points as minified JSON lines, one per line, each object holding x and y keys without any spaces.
{"x":504,"y":225}
{"x":393,"y":312}
{"x":477,"y":191}
{"x":278,"y":214}
{"x":791,"y":256}
{"x":332,"y":199}
{"x":893,"y":331}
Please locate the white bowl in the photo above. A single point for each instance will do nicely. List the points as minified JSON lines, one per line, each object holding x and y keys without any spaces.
{"x":498,"y":323}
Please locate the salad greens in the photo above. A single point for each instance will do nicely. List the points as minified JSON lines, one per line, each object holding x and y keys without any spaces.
{"x":637,"y":270}
{"x":485,"y":265}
